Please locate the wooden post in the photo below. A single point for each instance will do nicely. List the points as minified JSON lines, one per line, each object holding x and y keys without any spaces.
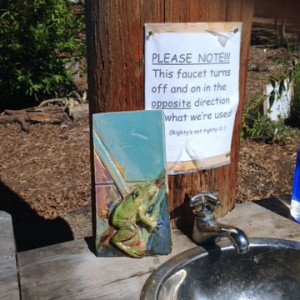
{"x":115,"y":41}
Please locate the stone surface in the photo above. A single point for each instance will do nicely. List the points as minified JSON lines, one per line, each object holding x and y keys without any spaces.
{"x":71,"y":271}
{"x":9,"y":288}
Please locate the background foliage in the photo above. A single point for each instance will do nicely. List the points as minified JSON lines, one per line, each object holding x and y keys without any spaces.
{"x":260,"y":127}
{"x":37,"y":39}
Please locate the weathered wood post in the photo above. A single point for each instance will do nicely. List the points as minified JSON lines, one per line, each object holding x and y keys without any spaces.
{"x":115,"y":41}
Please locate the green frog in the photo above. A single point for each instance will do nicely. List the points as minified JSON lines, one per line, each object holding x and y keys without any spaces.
{"x":134,"y":214}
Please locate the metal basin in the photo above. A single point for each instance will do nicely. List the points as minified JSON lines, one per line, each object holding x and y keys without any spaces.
{"x":270,"y":270}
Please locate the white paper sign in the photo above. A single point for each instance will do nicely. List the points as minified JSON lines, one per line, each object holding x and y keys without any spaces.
{"x":282,"y":105}
{"x":192,"y":73}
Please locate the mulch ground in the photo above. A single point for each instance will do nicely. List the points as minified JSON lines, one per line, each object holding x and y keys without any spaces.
{"x":47,"y":167}
{"x":265,"y":171}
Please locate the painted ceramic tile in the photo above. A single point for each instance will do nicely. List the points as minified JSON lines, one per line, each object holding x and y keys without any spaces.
{"x":131,"y":188}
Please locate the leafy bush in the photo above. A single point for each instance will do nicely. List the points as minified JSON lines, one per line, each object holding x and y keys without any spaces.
{"x":266,"y":130}
{"x":37,"y":39}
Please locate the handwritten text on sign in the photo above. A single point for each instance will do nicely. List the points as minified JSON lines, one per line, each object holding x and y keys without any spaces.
{"x":192,"y":73}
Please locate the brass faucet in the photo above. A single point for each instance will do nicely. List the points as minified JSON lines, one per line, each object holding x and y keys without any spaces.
{"x":206,"y":229}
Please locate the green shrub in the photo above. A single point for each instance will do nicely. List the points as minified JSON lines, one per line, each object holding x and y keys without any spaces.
{"x":37,"y":39}
{"x":266,"y":130}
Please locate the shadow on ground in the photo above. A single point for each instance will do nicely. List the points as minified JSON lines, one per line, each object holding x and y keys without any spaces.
{"x":32,"y":231}
{"x":279,"y":205}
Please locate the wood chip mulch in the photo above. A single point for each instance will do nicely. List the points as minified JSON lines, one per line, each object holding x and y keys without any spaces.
{"x":265,"y":170}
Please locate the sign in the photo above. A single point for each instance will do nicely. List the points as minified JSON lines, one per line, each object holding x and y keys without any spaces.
{"x":192,"y":74}
{"x":282,"y":105}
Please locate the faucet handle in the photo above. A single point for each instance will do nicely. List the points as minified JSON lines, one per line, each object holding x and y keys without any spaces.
{"x":204,"y":198}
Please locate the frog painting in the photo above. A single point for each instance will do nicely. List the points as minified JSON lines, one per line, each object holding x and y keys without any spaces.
{"x":132,"y":215}
{"x":136,"y":218}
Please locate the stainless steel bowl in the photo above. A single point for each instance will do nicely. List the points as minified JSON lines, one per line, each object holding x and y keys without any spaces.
{"x":270,"y":270}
